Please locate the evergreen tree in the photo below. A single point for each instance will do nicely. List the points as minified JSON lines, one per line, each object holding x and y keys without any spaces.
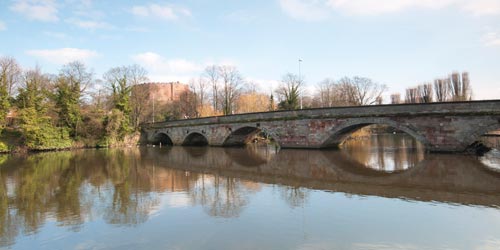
{"x":72,"y":81}
{"x":36,"y":125}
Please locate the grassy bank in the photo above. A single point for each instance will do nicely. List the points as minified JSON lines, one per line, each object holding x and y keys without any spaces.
{"x":12,"y":141}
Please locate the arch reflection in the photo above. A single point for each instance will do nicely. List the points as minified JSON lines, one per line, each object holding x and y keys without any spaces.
{"x":125,"y":187}
{"x":385,"y":152}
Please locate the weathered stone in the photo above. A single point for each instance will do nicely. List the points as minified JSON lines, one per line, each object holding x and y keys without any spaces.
{"x":441,"y":127}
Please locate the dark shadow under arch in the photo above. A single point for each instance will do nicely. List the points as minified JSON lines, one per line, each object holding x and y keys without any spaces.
{"x":476,"y":142}
{"x":196,"y":152}
{"x":247,"y":157}
{"x":241,"y":136}
{"x":195,"y":139}
{"x":162,"y":139}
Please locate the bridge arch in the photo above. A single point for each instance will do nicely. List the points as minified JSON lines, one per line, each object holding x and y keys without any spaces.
{"x":162,"y":139}
{"x":195,"y":139}
{"x":243,"y":135}
{"x":475,"y":136}
{"x":340,"y":133}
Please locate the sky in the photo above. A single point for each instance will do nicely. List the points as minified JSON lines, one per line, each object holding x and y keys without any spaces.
{"x":400,"y":43}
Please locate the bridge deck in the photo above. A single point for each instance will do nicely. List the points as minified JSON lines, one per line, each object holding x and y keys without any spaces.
{"x":486,"y":107}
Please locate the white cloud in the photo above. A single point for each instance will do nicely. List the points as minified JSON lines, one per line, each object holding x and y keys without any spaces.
{"x":64,"y":55}
{"x":482,"y":7}
{"x":167,"y":12}
{"x":162,"y":69}
{"x":307,"y":10}
{"x":3,"y":26}
{"x":370,"y":7}
{"x":265,"y":86}
{"x":89,"y":24}
{"x":39,"y":10}
{"x":315,"y":10}
{"x":491,"y":39}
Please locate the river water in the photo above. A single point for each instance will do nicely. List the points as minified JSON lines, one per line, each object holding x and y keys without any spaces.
{"x":382,"y":193}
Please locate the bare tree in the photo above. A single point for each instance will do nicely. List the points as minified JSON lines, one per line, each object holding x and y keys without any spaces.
{"x":328,"y":93}
{"x":213,"y":77}
{"x":231,"y":87}
{"x":460,"y":87}
{"x":411,"y":95}
{"x":289,"y":92}
{"x":10,"y":74}
{"x":425,"y":93}
{"x":121,"y":81}
{"x":199,"y":87}
{"x":139,"y":95}
{"x":361,"y":90}
{"x":442,"y":89}
{"x":77,"y":75}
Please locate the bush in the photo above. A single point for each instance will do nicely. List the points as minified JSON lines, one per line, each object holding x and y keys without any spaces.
{"x":3,"y":148}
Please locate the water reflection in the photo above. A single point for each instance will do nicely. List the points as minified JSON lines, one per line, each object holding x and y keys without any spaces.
{"x":126,"y":187}
{"x":384,"y":152}
{"x":492,"y":160}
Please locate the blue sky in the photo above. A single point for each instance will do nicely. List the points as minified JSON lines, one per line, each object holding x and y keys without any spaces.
{"x":400,"y":43}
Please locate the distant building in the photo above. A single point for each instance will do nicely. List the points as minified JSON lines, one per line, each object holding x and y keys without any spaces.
{"x":162,"y":92}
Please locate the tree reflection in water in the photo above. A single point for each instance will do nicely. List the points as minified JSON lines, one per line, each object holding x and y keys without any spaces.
{"x":124,"y":187}
{"x":385,"y":152}
{"x":220,"y":196}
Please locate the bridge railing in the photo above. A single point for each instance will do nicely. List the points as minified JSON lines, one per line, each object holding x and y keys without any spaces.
{"x":491,"y":107}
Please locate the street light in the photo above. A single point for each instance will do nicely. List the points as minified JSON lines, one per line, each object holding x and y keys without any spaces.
{"x":300,"y":79}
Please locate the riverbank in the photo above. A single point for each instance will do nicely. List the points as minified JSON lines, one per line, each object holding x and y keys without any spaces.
{"x":12,"y":142}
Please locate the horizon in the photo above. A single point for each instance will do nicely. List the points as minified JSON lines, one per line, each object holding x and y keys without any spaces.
{"x":399,"y":44}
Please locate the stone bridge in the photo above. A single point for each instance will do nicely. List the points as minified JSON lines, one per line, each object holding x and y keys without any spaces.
{"x":440,"y":127}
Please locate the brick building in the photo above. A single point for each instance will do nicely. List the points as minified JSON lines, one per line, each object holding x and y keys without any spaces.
{"x":162,"y":92}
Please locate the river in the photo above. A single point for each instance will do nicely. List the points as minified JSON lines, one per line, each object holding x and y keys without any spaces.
{"x":382,"y":193}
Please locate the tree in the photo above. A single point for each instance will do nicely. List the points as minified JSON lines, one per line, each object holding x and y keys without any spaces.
{"x":33,"y":90}
{"x":10,"y":73}
{"x":326,"y":92}
{"x":460,"y":87}
{"x":121,"y":80}
{"x":251,"y":102}
{"x":139,"y":96}
{"x":289,"y":92}
{"x":70,"y":85}
{"x":231,"y":87}
{"x":330,"y":93}
{"x":424,"y":93}
{"x":442,"y":89}
{"x":361,"y":90}
{"x":35,"y":123}
{"x":411,"y":95}
{"x":199,"y":88}
{"x":272,"y":104}
{"x":212,"y":75}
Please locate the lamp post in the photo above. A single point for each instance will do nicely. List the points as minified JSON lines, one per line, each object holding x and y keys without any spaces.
{"x":300,"y":80}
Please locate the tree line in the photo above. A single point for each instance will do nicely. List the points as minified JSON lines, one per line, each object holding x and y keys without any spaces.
{"x":454,"y":88}
{"x":75,"y":108}
{"x":67,"y":109}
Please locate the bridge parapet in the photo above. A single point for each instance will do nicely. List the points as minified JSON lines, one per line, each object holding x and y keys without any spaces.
{"x":445,"y":127}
